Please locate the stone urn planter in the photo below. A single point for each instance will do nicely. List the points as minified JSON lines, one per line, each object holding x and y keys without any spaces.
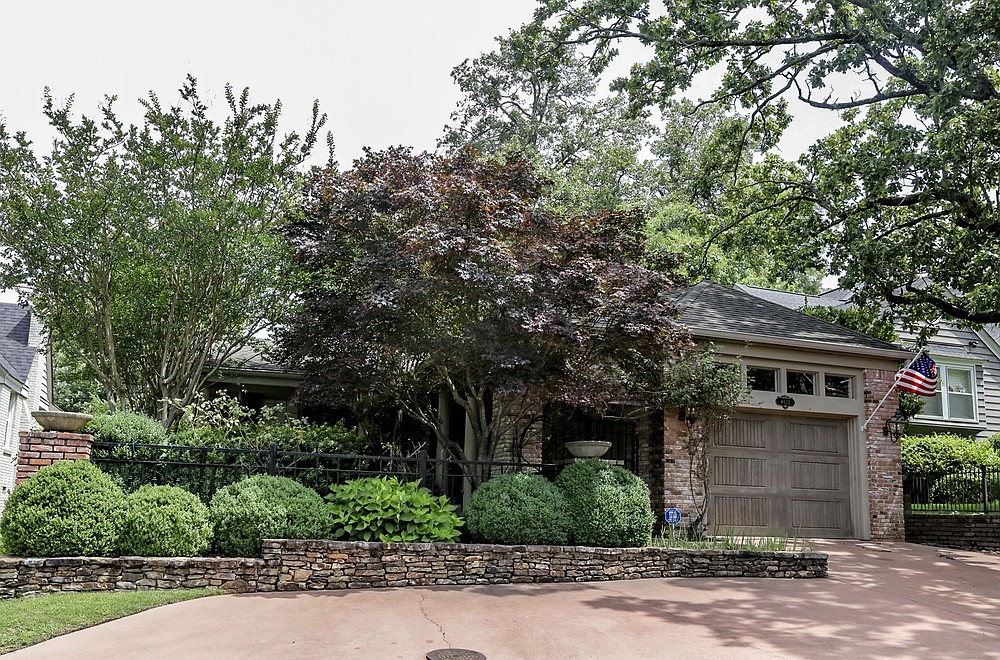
{"x":588,"y":448}
{"x":66,"y":422}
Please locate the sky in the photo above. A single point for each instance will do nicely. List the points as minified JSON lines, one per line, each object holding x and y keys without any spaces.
{"x":379,"y":69}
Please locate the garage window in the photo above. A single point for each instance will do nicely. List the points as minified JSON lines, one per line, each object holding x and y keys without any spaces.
{"x":762,"y":379}
{"x":840,"y":387}
{"x":800,"y":382}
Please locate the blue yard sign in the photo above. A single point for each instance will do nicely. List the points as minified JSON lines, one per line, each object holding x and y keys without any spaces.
{"x":673,"y":516}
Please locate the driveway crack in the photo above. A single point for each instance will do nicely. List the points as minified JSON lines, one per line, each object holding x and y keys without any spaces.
{"x":430,"y":620}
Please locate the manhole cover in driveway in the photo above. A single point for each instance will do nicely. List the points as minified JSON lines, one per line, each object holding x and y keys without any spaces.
{"x":455,"y":654}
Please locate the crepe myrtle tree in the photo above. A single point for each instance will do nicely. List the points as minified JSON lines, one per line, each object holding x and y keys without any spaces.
{"x":148,"y":250}
{"x":423,"y":273}
{"x":906,"y":194}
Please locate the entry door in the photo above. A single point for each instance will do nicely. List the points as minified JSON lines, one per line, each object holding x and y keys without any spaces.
{"x":781,"y":474}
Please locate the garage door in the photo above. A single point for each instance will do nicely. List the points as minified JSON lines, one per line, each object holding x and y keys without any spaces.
{"x":781,"y":474}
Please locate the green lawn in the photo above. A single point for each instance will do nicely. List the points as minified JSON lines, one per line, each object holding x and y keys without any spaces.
{"x":27,"y":621}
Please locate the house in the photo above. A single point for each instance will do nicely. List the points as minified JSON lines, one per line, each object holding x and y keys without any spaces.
{"x":968,"y":361}
{"x":25,"y":384}
{"x":797,"y":457}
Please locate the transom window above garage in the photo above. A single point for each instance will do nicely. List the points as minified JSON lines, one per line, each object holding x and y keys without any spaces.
{"x":800,"y":381}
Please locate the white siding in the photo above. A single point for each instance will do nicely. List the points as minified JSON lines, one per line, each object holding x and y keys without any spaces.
{"x":967,"y":348}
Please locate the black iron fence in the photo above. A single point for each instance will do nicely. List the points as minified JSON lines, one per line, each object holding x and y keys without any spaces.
{"x":975,"y":490}
{"x":203,"y":470}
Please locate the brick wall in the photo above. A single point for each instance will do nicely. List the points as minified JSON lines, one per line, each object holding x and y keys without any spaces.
{"x":289,"y":565}
{"x":964,"y":532}
{"x":675,"y":472}
{"x":885,"y":480}
{"x":41,"y":448}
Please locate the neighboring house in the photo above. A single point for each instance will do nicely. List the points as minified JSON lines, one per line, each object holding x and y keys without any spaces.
{"x":25,"y":384}
{"x":968,"y":362}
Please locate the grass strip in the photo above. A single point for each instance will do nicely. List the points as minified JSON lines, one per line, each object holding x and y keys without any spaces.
{"x":27,"y":621}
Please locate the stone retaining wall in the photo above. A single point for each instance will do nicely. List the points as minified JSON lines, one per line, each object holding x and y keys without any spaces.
{"x":32,"y":576}
{"x":963,"y":532}
{"x":289,"y":565}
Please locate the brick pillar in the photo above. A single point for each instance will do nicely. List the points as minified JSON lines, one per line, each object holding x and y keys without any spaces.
{"x":41,"y":448}
{"x":885,"y":478}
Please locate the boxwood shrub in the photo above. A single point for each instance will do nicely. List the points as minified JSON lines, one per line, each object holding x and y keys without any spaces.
{"x":126,"y":427}
{"x":69,"y":508}
{"x":518,"y":509}
{"x":385,"y":509}
{"x":608,"y":505}
{"x":940,"y":453}
{"x":165,"y":521}
{"x":259,"y":507}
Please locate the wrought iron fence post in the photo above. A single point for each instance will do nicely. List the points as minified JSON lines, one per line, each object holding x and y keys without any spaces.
{"x":986,"y":491}
{"x":272,"y":459}
{"x":422,"y":468}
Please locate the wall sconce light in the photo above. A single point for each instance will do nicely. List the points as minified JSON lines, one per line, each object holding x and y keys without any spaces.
{"x":895,"y":427}
{"x":687,"y":414}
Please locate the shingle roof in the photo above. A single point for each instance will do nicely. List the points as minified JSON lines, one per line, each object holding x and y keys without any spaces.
{"x":710,"y":307}
{"x":791,"y":300}
{"x":16,"y":356}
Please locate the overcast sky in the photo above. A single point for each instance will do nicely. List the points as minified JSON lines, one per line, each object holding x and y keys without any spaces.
{"x":380,"y":69}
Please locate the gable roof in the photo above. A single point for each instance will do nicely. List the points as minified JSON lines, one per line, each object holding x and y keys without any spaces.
{"x":831,"y":298}
{"x":16,"y":356}
{"x":714,"y":311}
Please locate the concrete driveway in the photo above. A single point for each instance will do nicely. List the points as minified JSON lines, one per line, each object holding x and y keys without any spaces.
{"x":880,"y":601}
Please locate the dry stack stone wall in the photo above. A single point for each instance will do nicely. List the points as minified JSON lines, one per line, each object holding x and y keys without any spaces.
{"x":41,"y":448}
{"x":290,"y":565}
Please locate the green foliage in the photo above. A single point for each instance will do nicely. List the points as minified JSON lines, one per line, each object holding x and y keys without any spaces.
{"x":127,"y":428}
{"x":910,"y":405}
{"x":69,"y":508}
{"x":261,"y":507}
{"x":148,"y":250}
{"x":698,"y":381}
{"x":902,"y":197}
{"x":164,"y":521}
{"x":936,"y":454}
{"x":868,"y":321}
{"x":963,"y":488}
{"x":384,"y":509}
{"x":608,"y":505}
{"x":518,"y":509}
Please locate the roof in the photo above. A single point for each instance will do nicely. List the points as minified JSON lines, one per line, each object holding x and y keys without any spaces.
{"x":710,"y":309}
{"x":16,"y":356}
{"x":254,"y":357}
{"x":832,"y":298}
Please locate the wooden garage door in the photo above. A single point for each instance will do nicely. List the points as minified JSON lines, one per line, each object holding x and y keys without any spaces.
{"x":784,"y":474}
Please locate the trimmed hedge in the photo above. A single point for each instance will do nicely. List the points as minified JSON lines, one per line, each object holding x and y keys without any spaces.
{"x":165,"y":521}
{"x":126,"y":427}
{"x":384,"y":509}
{"x":935,"y":454}
{"x":518,"y":509}
{"x":608,"y":505}
{"x":69,"y":508}
{"x":260,"y":507}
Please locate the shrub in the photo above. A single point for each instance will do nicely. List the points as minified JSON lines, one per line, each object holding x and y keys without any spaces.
{"x":608,"y":506}
{"x":518,"y":509}
{"x":164,"y":521}
{"x":69,"y":508}
{"x":963,"y":488}
{"x":260,"y":507}
{"x":942,"y":453}
{"x":384,"y":509}
{"x":126,"y":427}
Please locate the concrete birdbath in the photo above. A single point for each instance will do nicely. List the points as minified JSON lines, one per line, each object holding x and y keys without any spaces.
{"x":56,"y":420}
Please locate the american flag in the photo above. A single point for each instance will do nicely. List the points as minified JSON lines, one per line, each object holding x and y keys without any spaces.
{"x":918,"y":378}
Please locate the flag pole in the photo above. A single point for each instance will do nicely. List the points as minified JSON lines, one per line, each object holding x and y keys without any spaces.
{"x":895,"y":382}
